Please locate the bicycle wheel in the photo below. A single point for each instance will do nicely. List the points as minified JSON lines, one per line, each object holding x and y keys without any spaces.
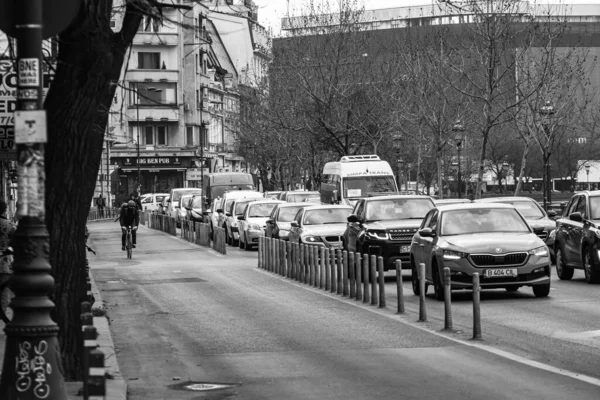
{"x":6,"y":296}
{"x":129,"y":246}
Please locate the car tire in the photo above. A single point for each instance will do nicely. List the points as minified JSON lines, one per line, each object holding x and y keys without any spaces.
{"x":541,"y":290}
{"x":247,"y":246}
{"x":592,"y":274}
{"x":563,"y":272}
{"x":512,"y":289}
{"x":438,"y":286}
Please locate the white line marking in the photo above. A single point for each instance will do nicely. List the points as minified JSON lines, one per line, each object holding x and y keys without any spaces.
{"x":576,"y":335}
{"x":395,"y":317}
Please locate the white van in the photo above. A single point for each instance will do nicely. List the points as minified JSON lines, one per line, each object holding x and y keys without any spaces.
{"x":355,"y":177}
{"x":151,"y":201}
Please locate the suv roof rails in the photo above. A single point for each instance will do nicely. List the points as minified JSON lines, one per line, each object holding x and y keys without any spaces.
{"x":369,"y":157}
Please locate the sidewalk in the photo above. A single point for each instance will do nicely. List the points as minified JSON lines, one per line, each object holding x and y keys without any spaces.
{"x":116,"y":388}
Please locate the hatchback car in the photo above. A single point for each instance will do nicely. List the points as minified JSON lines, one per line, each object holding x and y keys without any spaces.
{"x":492,"y":239}
{"x":280,"y":220}
{"x":194,"y":208}
{"x":215,"y":215}
{"x":252,"y":223}
{"x":321,"y":225}
{"x":577,"y":242}
{"x":232,"y":235}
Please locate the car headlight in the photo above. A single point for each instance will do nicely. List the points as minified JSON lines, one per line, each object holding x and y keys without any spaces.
{"x":374,"y":234}
{"x":254,"y":227}
{"x":312,"y":239}
{"x":283,"y":233}
{"x":539,"y":251}
{"x":453,"y":255}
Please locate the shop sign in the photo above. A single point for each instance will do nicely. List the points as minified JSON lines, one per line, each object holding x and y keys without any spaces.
{"x":151,"y":161}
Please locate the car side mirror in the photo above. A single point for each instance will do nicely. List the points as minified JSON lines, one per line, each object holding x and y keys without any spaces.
{"x":294,"y":224}
{"x":426,"y":232}
{"x":538,"y":230}
{"x":269,"y":221}
{"x":576,"y":216}
{"x":228,"y":214}
{"x":241,"y":218}
{"x":353,"y":219}
{"x":551,"y":213}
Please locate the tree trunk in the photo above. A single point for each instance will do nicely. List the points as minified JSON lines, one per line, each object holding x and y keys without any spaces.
{"x":481,"y":165}
{"x":90,"y":58}
{"x":523,"y":165}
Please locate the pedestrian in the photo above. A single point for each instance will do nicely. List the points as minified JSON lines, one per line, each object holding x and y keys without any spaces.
{"x":135,"y":196}
{"x":101,"y":204}
{"x":7,"y":229}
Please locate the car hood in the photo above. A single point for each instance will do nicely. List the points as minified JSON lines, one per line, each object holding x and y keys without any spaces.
{"x":324,"y":230}
{"x":490,"y":242}
{"x":548,"y":224}
{"x":284,"y":225}
{"x":261,"y":221}
{"x":394,"y":224}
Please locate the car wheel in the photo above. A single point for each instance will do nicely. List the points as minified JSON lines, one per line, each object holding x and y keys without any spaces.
{"x":564,"y":273}
{"x":511,"y":288}
{"x":438,"y":287}
{"x":541,"y":290}
{"x":247,"y":246}
{"x":592,"y":275}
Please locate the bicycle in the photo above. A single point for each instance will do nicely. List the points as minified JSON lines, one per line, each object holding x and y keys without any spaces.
{"x":6,"y":294}
{"x":129,"y":243}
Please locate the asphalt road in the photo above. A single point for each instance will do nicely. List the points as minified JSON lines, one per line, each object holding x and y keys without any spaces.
{"x":183,"y":314}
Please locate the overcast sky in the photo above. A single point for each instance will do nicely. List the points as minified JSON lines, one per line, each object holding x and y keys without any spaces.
{"x":270,"y":12}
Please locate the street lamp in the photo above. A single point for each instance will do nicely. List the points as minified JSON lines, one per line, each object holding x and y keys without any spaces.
{"x":587,"y":172}
{"x":397,"y":139}
{"x":400,"y":166}
{"x":458,"y":127}
{"x":546,"y":111}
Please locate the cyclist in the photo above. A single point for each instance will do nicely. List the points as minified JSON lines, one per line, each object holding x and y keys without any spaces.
{"x":129,"y":217}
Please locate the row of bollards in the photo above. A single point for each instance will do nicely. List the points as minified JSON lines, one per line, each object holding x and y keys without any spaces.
{"x":94,"y":374}
{"x":161,"y":222}
{"x":348,"y":274}
{"x":359,"y":277}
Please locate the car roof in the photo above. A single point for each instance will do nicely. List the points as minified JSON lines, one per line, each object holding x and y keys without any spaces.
{"x":268,"y":201}
{"x":286,"y":204}
{"x":592,"y":193}
{"x":470,"y":206}
{"x":503,"y":198}
{"x":242,"y":193}
{"x":326,"y":207}
{"x":399,"y":196}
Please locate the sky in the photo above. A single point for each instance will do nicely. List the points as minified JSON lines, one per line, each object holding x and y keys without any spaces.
{"x":270,"y":12}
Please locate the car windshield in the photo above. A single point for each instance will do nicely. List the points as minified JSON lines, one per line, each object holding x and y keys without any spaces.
{"x":240,"y":206}
{"x":183,"y":201}
{"x":261,"y":210}
{"x":362,"y":186}
{"x":287,"y":214}
{"x":482,"y":220}
{"x":595,"y":207}
{"x":217,"y":191}
{"x":197,"y":203}
{"x":527,"y":208}
{"x":326,"y":216}
{"x":178,"y":193}
{"x":395,"y":209}
{"x":160,"y":198}
{"x":298,"y":197}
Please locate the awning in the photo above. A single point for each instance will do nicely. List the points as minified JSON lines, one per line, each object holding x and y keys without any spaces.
{"x":146,"y":168}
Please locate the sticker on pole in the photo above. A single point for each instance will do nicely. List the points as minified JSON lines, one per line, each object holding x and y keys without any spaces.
{"x":30,"y":127}
{"x":29,"y":72}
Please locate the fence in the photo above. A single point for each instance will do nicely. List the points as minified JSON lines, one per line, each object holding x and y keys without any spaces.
{"x":159,"y":222}
{"x":106,"y":213}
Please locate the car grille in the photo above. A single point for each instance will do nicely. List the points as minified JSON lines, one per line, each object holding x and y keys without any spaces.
{"x":487,"y":260}
{"x":402,"y":234}
{"x":333,"y":238}
{"x":543,"y":235}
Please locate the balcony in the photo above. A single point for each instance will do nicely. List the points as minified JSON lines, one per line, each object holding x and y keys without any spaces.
{"x":153,"y":75}
{"x":156,"y":39}
{"x":149,"y":113}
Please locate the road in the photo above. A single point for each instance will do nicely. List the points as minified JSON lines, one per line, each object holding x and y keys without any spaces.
{"x":183,"y":314}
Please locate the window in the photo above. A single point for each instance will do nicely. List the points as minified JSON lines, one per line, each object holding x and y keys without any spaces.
{"x":150,"y":24}
{"x":161,"y":135}
{"x":198,"y":104}
{"x":155,"y":135}
{"x":148,"y":60}
{"x":581,"y":206}
{"x":189,"y":135}
{"x":149,"y":134}
{"x":203,"y":136}
{"x":153,"y":93}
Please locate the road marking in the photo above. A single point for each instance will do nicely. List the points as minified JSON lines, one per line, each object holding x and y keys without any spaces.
{"x":505,"y":354}
{"x":576,"y":335}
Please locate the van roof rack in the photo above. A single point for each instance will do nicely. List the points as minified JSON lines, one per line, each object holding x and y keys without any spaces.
{"x":370,"y":157}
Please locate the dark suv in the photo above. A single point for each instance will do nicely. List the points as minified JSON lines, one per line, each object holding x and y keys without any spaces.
{"x":577,"y":242}
{"x":385,"y":225}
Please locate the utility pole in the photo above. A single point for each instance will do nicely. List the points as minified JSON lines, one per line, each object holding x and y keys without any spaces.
{"x":32,"y":366}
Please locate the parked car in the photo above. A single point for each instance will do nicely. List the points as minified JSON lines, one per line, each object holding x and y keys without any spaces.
{"x":320,"y":225}
{"x":316,"y":199}
{"x":577,"y":242}
{"x":252,"y":223}
{"x":492,"y":239}
{"x":384,"y":226}
{"x":215,"y":215}
{"x":533,"y":213}
{"x":151,"y":201}
{"x":182,"y":210}
{"x":445,"y":202}
{"x":194,"y":208}
{"x":172,"y":209}
{"x":273,"y":195}
{"x":237,"y":208}
{"x":279,"y":222}
{"x":162,"y":206}
{"x":296,"y":196}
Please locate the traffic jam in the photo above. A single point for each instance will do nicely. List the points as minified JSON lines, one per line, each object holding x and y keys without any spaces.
{"x":511,"y":242}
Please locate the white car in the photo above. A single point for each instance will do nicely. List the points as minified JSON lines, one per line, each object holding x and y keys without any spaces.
{"x":151,"y":201}
{"x":216,"y":214}
{"x":253,"y":223}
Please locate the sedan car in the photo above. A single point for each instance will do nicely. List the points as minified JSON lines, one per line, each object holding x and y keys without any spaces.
{"x":534,"y":214}
{"x":232,"y":234}
{"x":280,"y":220}
{"x":492,"y":239}
{"x":320,"y":225}
{"x":252,"y":223}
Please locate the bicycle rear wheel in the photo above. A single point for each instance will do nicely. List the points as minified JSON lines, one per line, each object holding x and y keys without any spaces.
{"x":129,"y":246}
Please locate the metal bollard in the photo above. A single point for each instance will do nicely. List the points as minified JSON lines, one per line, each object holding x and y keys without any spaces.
{"x":306,"y":264}
{"x":315,"y":263}
{"x":282,"y":267}
{"x":381,"y":277}
{"x":447,"y":300}
{"x":345,"y":268}
{"x":351,"y":269}
{"x":422,"y":310}
{"x":476,"y":307}
{"x":260,"y":249}
{"x":358,"y":275}
{"x":333,"y":265}
{"x":322,"y":268}
{"x":373,"y":279}
{"x":399,"y":287}
{"x":96,"y":382}
{"x":365,"y":276}
{"x":288,"y":259}
{"x":339,"y":270}
{"x":327,"y":267}
{"x":89,"y":343}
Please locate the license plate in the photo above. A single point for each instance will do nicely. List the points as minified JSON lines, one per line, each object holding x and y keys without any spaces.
{"x":500,"y":273}
{"x":405,"y":249}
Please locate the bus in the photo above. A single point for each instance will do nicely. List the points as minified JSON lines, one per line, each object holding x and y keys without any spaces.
{"x":217,"y":183}
{"x":355,"y":177}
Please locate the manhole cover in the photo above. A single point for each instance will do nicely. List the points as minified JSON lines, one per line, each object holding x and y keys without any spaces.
{"x":202,"y":386}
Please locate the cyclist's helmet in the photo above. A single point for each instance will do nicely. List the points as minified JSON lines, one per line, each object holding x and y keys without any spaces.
{"x":124,"y":205}
{"x":131,"y":203}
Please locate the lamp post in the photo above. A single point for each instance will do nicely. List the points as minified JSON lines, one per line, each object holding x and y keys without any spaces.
{"x":458,"y":127}
{"x":587,"y":172}
{"x":397,"y":139}
{"x":400,"y":166}
{"x":546,"y":111}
